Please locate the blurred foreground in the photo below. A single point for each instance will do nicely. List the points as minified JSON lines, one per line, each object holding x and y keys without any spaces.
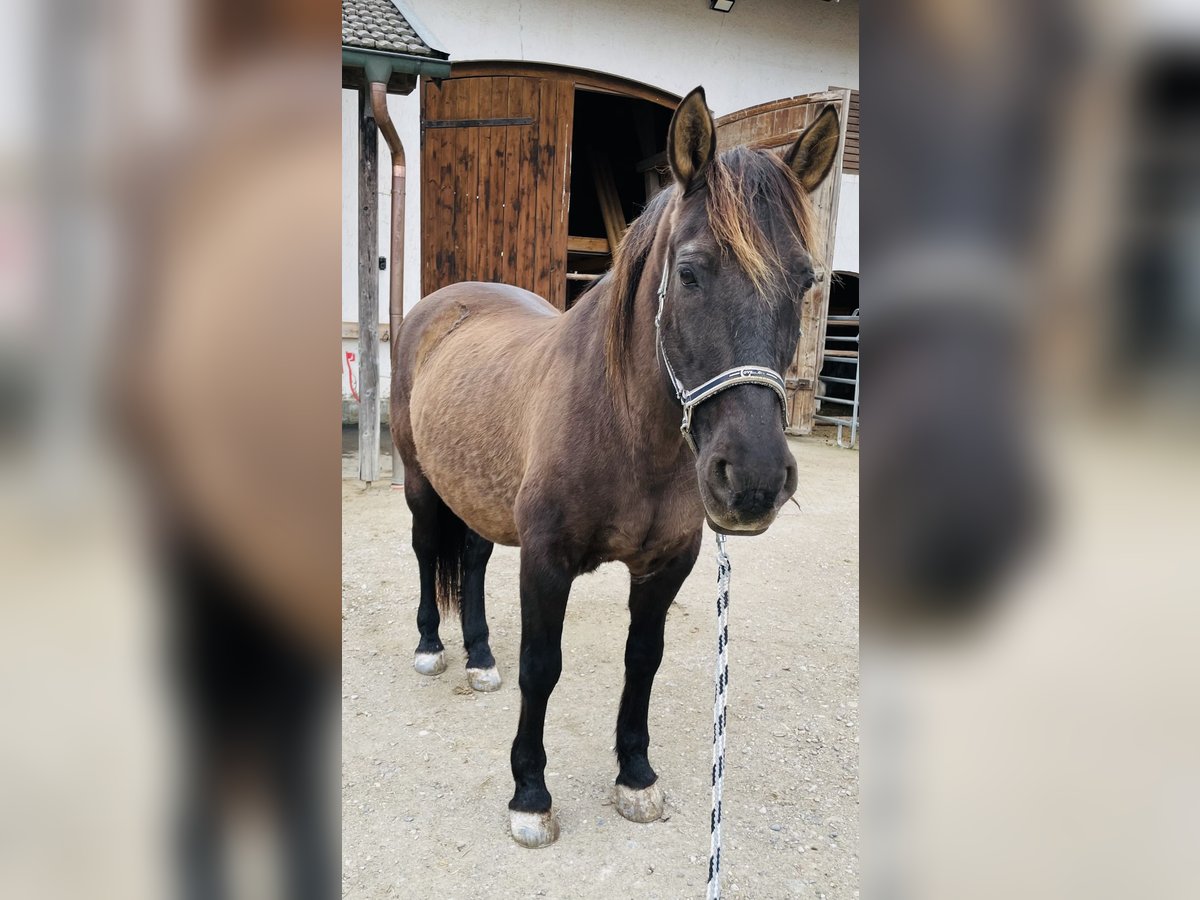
{"x":1031,"y":226}
{"x":170,"y":495}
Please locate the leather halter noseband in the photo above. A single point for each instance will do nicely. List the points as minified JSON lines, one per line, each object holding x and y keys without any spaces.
{"x":689,"y":400}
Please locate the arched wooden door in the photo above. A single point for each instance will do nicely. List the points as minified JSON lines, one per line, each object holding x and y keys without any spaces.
{"x":775,"y":126}
{"x":493,"y":182}
{"x":495,"y":175}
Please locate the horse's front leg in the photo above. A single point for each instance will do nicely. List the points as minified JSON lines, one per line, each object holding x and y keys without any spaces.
{"x":639,"y":797}
{"x":545,"y":585}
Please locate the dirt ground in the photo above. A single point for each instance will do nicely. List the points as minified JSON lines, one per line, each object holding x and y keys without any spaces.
{"x":425,"y":767}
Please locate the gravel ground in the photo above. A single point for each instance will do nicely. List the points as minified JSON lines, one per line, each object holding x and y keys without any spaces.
{"x":425,"y":760}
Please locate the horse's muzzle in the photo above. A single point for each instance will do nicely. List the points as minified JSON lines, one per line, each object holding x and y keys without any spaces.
{"x":742,"y":493}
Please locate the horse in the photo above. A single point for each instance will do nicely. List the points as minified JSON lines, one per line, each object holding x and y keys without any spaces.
{"x":560,"y":433}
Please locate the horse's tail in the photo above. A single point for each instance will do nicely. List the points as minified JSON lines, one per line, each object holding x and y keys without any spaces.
{"x":450,"y":541}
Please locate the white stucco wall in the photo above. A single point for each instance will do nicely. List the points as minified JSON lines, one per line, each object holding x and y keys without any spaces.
{"x":761,"y":51}
{"x":845,"y":239}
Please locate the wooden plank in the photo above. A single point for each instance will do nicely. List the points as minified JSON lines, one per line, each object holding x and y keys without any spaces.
{"x":442,"y":178}
{"x":495,"y":186}
{"x":514,"y":138}
{"x":468,"y":165}
{"x":437,"y":192}
{"x":429,"y":95}
{"x":588,"y":245}
{"x":524,"y":202}
{"x":486,"y":181}
{"x":785,"y":122}
{"x":564,"y":132}
{"x":368,"y":292}
{"x":543,"y":174}
{"x":459,"y":172}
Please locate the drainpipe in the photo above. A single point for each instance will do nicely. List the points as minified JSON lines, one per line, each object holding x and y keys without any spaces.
{"x":396,"y":282}
{"x":378,"y":68}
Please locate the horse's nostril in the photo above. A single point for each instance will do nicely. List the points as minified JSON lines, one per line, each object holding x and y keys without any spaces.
{"x":721,"y":472}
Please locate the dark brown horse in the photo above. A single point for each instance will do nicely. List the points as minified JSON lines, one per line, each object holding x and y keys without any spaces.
{"x":560,"y":433}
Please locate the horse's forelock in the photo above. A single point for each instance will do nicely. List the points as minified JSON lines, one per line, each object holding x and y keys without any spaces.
{"x":746,"y":188}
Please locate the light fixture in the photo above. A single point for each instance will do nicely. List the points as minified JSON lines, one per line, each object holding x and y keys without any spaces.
{"x":721,"y":5}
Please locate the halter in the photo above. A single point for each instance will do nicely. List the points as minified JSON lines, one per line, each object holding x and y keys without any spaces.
{"x":689,"y":400}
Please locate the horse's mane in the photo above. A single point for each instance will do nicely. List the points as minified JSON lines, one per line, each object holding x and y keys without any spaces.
{"x":740,"y":183}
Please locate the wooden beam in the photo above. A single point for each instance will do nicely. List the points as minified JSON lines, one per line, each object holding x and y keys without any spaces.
{"x":587,"y":245}
{"x":350,"y":332}
{"x":368,"y":292}
{"x":610,"y":200}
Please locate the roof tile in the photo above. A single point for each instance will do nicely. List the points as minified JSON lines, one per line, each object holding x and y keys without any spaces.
{"x":378,"y":24}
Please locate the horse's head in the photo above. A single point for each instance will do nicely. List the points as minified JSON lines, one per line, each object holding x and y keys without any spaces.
{"x":738,"y":267}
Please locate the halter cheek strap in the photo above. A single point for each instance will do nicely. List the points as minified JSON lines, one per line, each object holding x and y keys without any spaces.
{"x":690,"y":399}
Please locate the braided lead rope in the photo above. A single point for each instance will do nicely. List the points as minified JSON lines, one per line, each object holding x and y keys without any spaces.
{"x":720,"y":699}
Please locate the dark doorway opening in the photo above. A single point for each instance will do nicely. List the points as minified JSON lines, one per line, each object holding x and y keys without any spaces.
{"x":618,"y":163}
{"x":841,"y":337}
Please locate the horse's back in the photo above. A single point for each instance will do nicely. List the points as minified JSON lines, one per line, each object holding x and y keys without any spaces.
{"x":465,"y":363}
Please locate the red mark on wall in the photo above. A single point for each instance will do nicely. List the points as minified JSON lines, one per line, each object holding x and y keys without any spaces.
{"x":350,"y":373}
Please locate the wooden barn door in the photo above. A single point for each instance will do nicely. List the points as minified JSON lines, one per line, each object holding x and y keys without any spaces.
{"x":495,"y":182}
{"x":774,"y":126}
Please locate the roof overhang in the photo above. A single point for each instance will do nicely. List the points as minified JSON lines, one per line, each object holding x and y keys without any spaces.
{"x":420,"y":28}
{"x":398,"y":71}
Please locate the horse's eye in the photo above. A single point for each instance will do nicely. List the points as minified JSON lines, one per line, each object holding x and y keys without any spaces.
{"x":687,"y":276}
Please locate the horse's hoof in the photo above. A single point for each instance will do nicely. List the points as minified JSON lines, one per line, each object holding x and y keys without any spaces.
{"x":485,"y":680}
{"x":642,"y":806}
{"x":533,"y":830}
{"x":430,"y":663}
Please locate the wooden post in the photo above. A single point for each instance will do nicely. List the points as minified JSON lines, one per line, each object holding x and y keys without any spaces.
{"x":368,"y":291}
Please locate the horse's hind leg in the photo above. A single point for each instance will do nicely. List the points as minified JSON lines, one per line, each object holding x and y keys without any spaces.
{"x":427,"y":513}
{"x":481,"y":665}
{"x":639,"y":797}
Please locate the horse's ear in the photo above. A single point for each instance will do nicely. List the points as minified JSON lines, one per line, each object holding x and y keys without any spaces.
{"x":691,"y":140}
{"x":811,"y":157}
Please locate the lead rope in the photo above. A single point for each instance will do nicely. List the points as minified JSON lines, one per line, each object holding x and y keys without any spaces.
{"x":689,"y":400}
{"x":720,"y":699}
